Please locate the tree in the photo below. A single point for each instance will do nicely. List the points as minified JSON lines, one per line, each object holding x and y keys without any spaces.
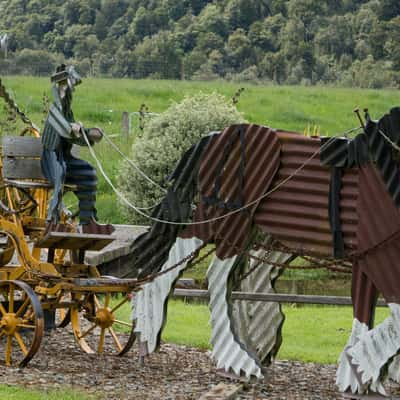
{"x":242,"y":13}
{"x":389,"y":9}
{"x":158,"y":56}
{"x":240,"y":53}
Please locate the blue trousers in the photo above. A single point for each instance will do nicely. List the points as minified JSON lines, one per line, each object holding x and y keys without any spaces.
{"x":62,"y":169}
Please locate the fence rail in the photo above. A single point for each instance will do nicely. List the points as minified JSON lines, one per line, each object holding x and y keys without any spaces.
{"x":275,"y":297}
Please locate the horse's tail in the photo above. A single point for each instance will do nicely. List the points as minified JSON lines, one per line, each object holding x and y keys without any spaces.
{"x":161,"y":248}
{"x":150,"y":250}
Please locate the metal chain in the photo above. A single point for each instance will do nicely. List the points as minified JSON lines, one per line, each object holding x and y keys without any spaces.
{"x":276,"y":246}
{"x":14,"y":106}
{"x":188,"y":258}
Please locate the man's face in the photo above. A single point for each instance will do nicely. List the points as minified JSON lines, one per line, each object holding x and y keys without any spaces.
{"x":74,"y":78}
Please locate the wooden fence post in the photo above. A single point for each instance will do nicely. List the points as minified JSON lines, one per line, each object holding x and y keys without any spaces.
{"x":125,"y":124}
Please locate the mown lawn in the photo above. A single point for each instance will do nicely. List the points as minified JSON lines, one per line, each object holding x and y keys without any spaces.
{"x":17,"y":393}
{"x":310,"y":333}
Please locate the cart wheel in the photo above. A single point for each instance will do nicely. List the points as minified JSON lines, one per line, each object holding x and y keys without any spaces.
{"x":21,"y":324}
{"x":97,"y":328}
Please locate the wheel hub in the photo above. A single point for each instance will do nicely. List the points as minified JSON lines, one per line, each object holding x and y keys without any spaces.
{"x":9,"y":323}
{"x":104,"y":317}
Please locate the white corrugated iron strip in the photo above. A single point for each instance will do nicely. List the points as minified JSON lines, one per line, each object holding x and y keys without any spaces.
{"x":376,"y":348}
{"x":258,"y":324}
{"x":394,"y":370}
{"x":228,"y":352}
{"x":345,"y":375}
{"x":149,"y":304}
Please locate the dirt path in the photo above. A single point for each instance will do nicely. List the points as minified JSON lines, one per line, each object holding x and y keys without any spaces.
{"x":175,"y":373}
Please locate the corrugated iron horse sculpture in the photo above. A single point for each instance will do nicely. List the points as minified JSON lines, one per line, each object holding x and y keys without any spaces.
{"x":331,"y":199}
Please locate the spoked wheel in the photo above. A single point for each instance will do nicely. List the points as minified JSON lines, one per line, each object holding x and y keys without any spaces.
{"x":21,"y":324}
{"x":97,"y":326}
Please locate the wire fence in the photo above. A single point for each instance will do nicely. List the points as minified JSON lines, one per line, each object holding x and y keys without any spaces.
{"x":35,"y":65}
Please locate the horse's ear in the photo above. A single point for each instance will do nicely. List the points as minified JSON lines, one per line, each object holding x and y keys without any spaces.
{"x":395,"y":123}
{"x":395,"y":113}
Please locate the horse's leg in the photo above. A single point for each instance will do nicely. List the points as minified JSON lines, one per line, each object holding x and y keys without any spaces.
{"x":149,"y":306}
{"x":364,"y":296}
{"x":228,"y":351}
{"x":375,"y":350}
{"x":259,"y":324}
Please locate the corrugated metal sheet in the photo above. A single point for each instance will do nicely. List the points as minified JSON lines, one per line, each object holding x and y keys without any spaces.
{"x":259,"y":324}
{"x":297,"y":213}
{"x":375,"y":348}
{"x":149,"y":305}
{"x":228,"y":351}
{"x":394,"y":370}
{"x":379,"y":223}
{"x":343,"y":152}
{"x":150,"y":251}
{"x":334,"y":151}
{"x":345,"y":375}
{"x":382,"y":150}
{"x":261,"y":160}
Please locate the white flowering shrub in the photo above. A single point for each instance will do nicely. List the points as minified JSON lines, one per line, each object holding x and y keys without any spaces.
{"x":165,"y":138}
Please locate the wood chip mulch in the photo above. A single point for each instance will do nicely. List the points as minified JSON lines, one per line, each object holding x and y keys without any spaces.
{"x":174,"y":373}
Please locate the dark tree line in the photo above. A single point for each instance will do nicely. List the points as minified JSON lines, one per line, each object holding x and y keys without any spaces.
{"x":350,"y":42}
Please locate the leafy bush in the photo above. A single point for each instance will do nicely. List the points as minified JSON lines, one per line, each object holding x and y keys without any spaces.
{"x":165,"y":138}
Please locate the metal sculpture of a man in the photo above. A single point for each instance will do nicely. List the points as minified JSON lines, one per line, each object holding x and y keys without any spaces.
{"x":59,"y":166}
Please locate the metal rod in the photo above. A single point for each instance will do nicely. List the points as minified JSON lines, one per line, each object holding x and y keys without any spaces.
{"x":357,"y":111}
{"x":275,"y":297}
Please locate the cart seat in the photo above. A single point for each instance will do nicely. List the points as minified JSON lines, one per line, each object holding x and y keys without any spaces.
{"x":21,"y":163}
{"x":74,"y":241}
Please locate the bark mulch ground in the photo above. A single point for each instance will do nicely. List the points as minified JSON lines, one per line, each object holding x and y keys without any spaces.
{"x":175,"y":373}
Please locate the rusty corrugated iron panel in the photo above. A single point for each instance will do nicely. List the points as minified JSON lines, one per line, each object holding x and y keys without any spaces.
{"x":297,"y":213}
{"x":378,"y":234}
{"x":259,"y":153}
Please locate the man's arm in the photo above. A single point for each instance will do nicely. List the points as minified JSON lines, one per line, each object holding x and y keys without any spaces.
{"x":72,"y":131}
{"x":58,"y":122}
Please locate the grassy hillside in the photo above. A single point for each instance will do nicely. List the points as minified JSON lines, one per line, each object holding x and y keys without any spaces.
{"x":101,"y":102}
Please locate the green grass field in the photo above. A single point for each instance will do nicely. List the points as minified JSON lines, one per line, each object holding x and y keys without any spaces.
{"x":310,"y":333}
{"x":101,"y":102}
{"x":16,"y":393}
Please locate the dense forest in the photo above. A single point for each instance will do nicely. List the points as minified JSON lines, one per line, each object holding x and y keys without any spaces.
{"x":346,"y":42}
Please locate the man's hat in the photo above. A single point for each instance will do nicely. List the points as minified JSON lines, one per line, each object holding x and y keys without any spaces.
{"x":60,"y":75}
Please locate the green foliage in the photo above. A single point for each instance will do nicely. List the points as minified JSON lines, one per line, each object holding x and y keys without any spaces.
{"x":165,"y":138}
{"x":282,"y":41}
